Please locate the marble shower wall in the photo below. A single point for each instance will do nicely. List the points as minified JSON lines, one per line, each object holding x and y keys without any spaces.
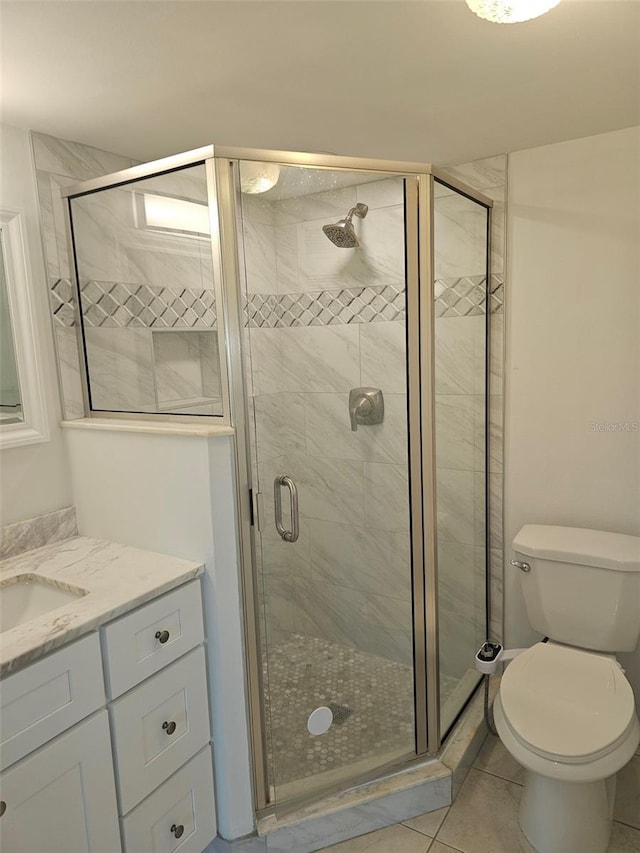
{"x":134,"y":282}
{"x":59,"y":163}
{"x":318,"y":326}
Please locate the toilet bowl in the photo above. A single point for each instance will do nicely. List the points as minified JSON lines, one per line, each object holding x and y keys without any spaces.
{"x":568,"y":716}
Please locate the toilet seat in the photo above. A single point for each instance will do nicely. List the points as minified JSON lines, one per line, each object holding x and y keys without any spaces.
{"x":566,"y":704}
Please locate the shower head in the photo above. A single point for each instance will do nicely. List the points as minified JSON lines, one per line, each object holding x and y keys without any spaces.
{"x":342,"y":233}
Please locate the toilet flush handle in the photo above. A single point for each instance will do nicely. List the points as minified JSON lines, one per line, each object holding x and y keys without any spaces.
{"x":519,"y":564}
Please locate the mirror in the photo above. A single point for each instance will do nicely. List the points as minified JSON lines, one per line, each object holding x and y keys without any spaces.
{"x":22,"y":409}
{"x":10,"y":403}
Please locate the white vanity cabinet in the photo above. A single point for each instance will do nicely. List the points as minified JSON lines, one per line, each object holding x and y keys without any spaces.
{"x":127,"y":770}
{"x":62,"y":797}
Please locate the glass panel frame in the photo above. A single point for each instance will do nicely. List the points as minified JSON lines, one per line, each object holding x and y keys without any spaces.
{"x":129,"y":178}
{"x":462,"y":274}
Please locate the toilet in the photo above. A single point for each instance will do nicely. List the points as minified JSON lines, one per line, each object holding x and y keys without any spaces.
{"x":565,"y":710}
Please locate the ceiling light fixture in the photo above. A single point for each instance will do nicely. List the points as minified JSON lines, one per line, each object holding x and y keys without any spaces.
{"x":510,"y":11}
{"x":258,"y":177}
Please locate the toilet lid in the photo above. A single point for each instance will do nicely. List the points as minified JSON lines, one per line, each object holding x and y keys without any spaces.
{"x":564,"y":702}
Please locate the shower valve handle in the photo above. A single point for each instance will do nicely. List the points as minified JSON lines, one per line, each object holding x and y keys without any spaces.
{"x":366,"y":407}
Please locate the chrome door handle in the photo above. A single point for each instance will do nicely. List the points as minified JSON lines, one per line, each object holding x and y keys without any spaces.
{"x":287,"y":535}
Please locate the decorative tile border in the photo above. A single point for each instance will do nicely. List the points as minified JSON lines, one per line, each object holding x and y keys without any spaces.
{"x":458,"y":297}
{"x":326,"y":307}
{"x":124,"y":305}
{"x":106,"y":303}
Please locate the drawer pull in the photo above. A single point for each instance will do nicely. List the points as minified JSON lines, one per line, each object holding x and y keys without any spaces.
{"x":169,"y":727}
{"x":162,"y":636}
{"x":3,"y":807}
{"x":177,"y":830}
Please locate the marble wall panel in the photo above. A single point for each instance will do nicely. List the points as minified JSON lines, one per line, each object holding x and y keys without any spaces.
{"x":370,"y":623}
{"x":496,"y":573}
{"x":383,"y":356}
{"x":496,"y":354}
{"x":460,"y":573}
{"x":388,"y":192}
{"x":69,"y":372}
{"x":378,"y":260}
{"x":456,"y":506}
{"x":386,"y":496}
{"x":286,"y":245}
{"x":496,"y":402}
{"x":461,"y":236}
{"x":210,"y":365}
{"x":280,"y":424}
{"x":75,"y":160}
{"x":111,"y":245}
{"x":459,"y":431}
{"x":481,"y":174}
{"x":330,"y":205}
{"x":364,"y":558}
{"x":322,"y":358}
{"x":329,"y":434}
{"x":265,"y":346}
{"x":121,"y":374}
{"x":257,"y":208}
{"x":460,"y":355}
{"x":52,"y":222}
{"x":329,"y":489}
{"x":260,"y":257}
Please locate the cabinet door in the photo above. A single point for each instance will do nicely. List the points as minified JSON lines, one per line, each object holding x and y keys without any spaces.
{"x":62,"y":797}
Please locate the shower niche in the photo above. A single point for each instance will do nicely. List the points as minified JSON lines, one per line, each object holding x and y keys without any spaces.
{"x":186,"y":371}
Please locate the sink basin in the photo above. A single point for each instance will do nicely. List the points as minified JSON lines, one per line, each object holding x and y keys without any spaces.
{"x":25,"y":597}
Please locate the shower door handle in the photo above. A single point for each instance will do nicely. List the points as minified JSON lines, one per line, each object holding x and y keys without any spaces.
{"x":283,"y":480}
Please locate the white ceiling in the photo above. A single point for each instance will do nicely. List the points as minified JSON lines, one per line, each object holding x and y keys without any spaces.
{"x":424,"y":80}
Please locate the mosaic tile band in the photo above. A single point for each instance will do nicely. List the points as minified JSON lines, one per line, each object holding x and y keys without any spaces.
{"x":122,"y":305}
{"x":107,"y":303}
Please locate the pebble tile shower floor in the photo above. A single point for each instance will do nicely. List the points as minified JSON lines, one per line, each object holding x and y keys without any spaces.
{"x":372,"y":700}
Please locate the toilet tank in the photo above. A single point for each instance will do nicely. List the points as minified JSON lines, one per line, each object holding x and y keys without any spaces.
{"x":583,"y":588}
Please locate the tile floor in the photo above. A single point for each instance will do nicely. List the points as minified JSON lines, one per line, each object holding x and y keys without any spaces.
{"x":484,"y":817}
{"x":373,"y":695}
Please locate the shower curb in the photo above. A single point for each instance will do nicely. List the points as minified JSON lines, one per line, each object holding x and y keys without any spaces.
{"x":373,"y":805}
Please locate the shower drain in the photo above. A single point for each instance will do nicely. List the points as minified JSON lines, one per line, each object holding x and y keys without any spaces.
{"x":341,"y":713}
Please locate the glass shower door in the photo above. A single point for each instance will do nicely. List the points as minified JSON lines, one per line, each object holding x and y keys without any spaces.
{"x":326,"y":369}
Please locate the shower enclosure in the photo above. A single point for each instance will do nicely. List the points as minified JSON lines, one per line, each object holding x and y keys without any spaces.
{"x":334,"y":311}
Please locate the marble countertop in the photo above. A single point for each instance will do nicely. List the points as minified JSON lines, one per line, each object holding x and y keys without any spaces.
{"x":117,"y":579}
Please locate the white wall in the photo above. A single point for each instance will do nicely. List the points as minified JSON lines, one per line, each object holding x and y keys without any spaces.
{"x":573,"y":346}
{"x":174,"y":494}
{"x":33,"y":479}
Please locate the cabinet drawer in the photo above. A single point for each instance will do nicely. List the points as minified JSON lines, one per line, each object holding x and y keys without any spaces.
{"x":159,"y":725}
{"x":62,"y":799}
{"x":41,"y":701}
{"x":183,"y":806}
{"x":142,"y":642}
